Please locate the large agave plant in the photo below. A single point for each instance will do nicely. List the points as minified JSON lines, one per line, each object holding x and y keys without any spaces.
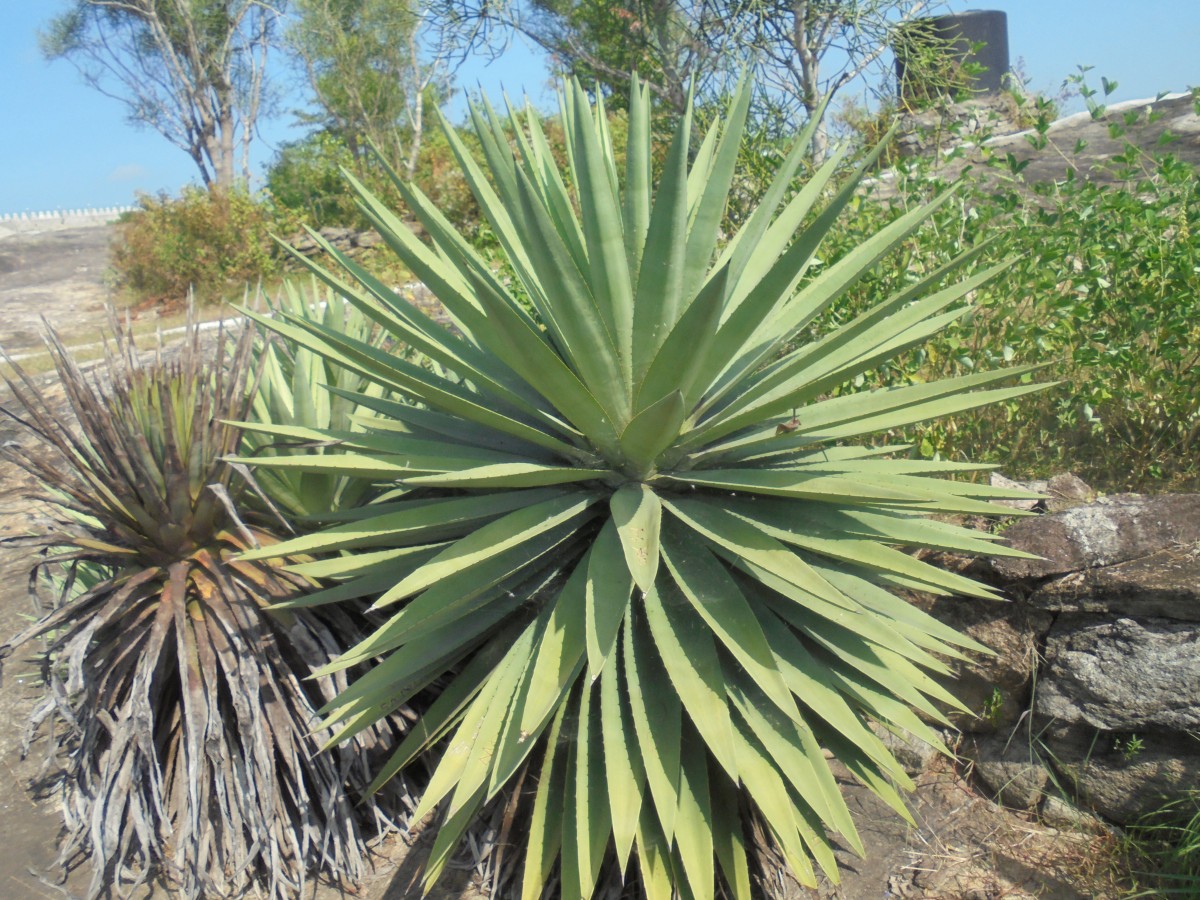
{"x":625,"y":518}
{"x":188,"y":713}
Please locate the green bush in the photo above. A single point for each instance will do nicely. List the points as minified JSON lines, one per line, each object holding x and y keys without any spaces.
{"x":305,"y":178}
{"x":207,"y":242}
{"x":1103,"y":287}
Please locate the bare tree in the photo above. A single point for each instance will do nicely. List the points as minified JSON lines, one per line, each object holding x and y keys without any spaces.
{"x":193,"y":70}
{"x":801,"y":50}
{"x":806,"y":50}
{"x":371,"y":70}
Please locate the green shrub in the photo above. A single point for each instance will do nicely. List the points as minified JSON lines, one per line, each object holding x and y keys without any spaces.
{"x":1103,"y":285}
{"x":209,"y":243}
{"x":626,"y":539}
{"x":305,"y":177}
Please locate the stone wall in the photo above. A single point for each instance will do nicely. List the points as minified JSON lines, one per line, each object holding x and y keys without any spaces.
{"x":1095,"y":689}
{"x":58,"y":219}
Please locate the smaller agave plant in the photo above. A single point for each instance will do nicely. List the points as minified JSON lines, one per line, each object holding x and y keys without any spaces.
{"x":299,"y":387}
{"x":626,"y":535}
{"x":190,"y":707}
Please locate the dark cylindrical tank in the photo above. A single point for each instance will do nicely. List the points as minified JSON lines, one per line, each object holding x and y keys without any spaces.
{"x":951,"y":38}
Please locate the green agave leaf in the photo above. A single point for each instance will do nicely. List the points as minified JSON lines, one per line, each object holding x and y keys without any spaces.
{"x":545,"y":823}
{"x":776,"y":520}
{"x":637,"y":513}
{"x":766,"y":786}
{"x":602,"y":227}
{"x":608,"y":591}
{"x":450,"y":832}
{"x":407,"y":379}
{"x":415,"y":521}
{"x":694,"y":824}
{"x":636,"y":207}
{"x":400,"y":559}
{"x":623,"y":767}
{"x":484,"y":543}
{"x":539,"y":164}
{"x":460,"y":594}
{"x":729,"y":841}
{"x":659,"y":293}
{"x":798,"y":485}
{"x":690,"y":657}
{"x":591,"y":346}
{"x":590,"y":802}
{"x":402,"y":674}
{"x":799,"y":758}
{"x":445,"y":711}
{"x":679,"y":363}
{"x":465,"y":765}
{"x":716,"y":598}
{"x":508,"y":475}
{"x":716,"y":180}
{"x":556,"y":663}
{"x":750,"y":245}
{"x":657,"y":720}
{"x":652,"y":430}
{"x":812,"y":684}
{"x":654,"y":859}
{"x":406,"y":322}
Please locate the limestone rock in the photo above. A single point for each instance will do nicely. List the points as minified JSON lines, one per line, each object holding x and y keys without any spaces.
{"x":1066,"y":491}
{"x":1124,"y":778}
{"x":1123,"y":675}
{"x":1058,"y":812}
{"x":1165,"y":584}
{"x":1108,"y":532}
{"x":998,"y":480}
{"x":1011,"y":767}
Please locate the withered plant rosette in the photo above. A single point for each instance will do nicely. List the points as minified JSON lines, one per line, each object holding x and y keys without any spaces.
{"x":186,"y":708}
{"x":626,"y":520}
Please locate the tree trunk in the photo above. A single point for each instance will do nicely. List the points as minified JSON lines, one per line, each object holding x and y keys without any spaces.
{"x":226,"y":154}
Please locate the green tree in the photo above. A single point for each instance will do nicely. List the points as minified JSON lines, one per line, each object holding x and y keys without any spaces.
{"x":668,"y":43}
{"x":369,"y":73}
{"x":193,"y":70}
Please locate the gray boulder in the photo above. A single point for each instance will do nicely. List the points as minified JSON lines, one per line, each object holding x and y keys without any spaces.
{"x":1125,"y":777}
{"x":1010,"y":767}
{"x":1108,"y":532}
{"x":1123,"y":675}
{"x":995,"y":688}
{"x":1164,"y":585}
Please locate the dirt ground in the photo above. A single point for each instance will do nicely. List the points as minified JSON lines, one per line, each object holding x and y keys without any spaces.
{"x":963,"y":846}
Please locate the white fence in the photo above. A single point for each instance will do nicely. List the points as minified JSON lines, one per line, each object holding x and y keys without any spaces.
{"x":52,"y":220}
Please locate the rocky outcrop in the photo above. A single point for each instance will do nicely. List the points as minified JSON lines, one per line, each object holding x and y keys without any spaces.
{"x":346,"y":240}
{"x":1123,"y":675}
{"x":1095,"y":689}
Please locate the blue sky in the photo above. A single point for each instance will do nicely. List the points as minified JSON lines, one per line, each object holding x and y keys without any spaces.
{"x":63,"y":145}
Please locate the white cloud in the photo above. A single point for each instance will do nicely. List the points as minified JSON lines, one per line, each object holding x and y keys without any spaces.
{"x":127,"y":172}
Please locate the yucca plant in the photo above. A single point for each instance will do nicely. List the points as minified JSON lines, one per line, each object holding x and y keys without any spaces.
{"x":299,"y":387}
{"x":188,"y":706}
{"x":625,"y":522}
